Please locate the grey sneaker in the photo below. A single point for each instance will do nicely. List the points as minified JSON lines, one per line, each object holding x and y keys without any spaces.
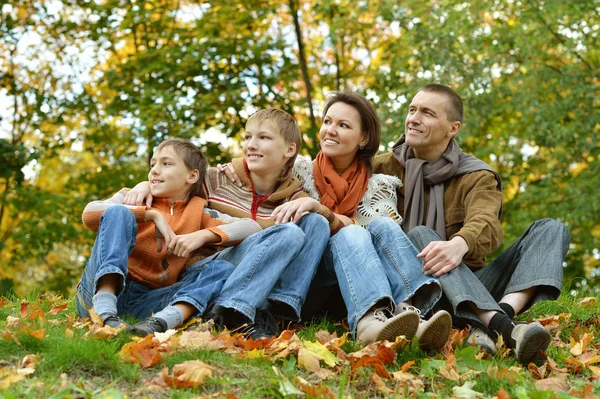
{"x":530,"y":339}
{"x":479,"y":338}
{"x":433,"y":333}
{"x":149,"y":325}
{"x":115,"y":322}
{"x":381,"y":324}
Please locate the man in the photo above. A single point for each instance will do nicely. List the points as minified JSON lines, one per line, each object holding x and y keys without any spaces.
{"x":451,"y":204}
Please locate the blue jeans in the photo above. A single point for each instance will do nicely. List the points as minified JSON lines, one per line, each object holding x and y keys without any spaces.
{"x":114,"y":242}
{"x":260,"y":260}
{"x":373,"y":265}
{"x":534,"y":260}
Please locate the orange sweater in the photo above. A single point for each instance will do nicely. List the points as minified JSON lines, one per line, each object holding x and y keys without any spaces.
{"x":161,"y":269}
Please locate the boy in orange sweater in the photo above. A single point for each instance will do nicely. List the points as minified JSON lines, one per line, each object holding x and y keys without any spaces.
{"x":137,"y":266}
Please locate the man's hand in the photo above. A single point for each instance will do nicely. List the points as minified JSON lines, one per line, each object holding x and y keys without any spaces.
{"x":230,"y":172}
{"x":440,"y":257}
{"x":183,"y":245}
{"x":136,"y":195}
{"x":295,"y":209}
{"x":161,"y":228}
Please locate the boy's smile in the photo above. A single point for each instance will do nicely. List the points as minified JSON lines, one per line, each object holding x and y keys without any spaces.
{"x":169,"y":177}
{"x":265,"y":149}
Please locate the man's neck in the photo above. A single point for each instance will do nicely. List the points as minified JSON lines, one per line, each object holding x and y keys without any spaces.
{"x":264,"y":184}
{"x":430,"y":155}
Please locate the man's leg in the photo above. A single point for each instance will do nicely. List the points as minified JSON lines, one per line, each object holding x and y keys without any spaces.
{"x":291,"y":289}
{"x":106,"y":270}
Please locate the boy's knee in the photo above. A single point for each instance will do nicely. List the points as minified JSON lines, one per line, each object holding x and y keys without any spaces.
{"x":117,"y":211}
{"x":382,"y":224}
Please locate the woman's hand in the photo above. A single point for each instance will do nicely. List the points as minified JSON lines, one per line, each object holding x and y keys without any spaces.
{"x":136,"y":195}
{"x":230,"y":172}
{"x":294,"y":210}
{"x":183,"y":245}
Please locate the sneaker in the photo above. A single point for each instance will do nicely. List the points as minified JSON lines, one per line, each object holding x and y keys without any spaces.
{"x":150,"y":325}
{"x":381,"y":324}
{"x":264,"y":326}
{"x":115,"y":322}
{"x":530,"y":339}
{"x":433,"y":333}
{"x":480,"y":338}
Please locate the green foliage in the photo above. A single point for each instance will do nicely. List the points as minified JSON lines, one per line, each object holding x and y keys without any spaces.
{"x":88,"y":89}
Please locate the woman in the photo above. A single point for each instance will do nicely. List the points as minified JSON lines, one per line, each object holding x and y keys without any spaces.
{"x":373,"y":262}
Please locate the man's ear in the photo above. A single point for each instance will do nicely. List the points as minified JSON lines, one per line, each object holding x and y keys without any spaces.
{"x":193,"y":176}
{"x":454,"y":129}
{"x":290,"y":151}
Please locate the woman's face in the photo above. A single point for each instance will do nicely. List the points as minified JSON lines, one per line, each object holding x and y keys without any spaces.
{"x":341,"y":133}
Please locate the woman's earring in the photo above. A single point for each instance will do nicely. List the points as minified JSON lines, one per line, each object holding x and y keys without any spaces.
{"x":362,"y":146}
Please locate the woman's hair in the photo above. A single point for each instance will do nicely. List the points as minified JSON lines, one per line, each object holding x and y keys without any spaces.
{"x":368,"y":120}
{"x":287,"y":127}
{"x":193,"y":158}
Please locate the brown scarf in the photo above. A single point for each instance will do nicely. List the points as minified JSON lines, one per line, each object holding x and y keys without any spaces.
{"x":420,"y":173}
{"x":341,"y":194}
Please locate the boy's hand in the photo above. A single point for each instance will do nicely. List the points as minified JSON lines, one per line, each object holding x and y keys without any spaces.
{"x":161,"y":228}
{"x":136,"y":195}
{"x":183,"y":245}
{"x":230,"y":172}
{"x":295,"y":209}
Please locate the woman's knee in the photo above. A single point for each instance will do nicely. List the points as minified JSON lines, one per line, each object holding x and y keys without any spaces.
{"x":381,"y":225}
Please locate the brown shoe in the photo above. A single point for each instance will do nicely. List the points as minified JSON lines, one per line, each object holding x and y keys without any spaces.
{"x":381,"y":324}
{"x":433,"y":333}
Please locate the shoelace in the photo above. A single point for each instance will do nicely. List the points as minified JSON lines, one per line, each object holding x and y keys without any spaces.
{"x":382,"y":314}
{"x":416,"y":310}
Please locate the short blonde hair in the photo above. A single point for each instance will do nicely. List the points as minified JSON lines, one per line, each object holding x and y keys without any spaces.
{"x":193,"y":158}
{"x":287,"y":127}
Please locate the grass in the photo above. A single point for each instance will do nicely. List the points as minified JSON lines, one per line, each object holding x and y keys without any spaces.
{"x":75,"y":366}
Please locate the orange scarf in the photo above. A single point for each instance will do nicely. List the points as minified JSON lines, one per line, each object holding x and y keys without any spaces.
{"x":341,"y":194}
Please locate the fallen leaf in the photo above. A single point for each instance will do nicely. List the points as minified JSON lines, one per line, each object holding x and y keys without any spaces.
{"x":380,"y":385}
{"x":191,"y":373}
{"x":309,"y":360}
{"x":3,"y":302}
{"x":97,"y":331}
{"x":57,"y":309}
{"x":164,"y":337}
{"x":286,"y":388}
{"x":577,"y":347}
{"x":201,"y":340}
{"x":12,"y":321}
{"x":68,"y":333}
{"x":322,"y":351}
{"x":466,"y":391}
{"x":24,"y":305}
{"x":11,"y":379}
{"x":144,"y":352}
{"x":407,"y":365}
{"x":31,"y":361}
{"x":588,"y":303}
{"x":95,"y":318}
{"x":586,"y":392}
{"x":502,"y":394}
{"x":552,"y":384}
{"x":37,"y":334}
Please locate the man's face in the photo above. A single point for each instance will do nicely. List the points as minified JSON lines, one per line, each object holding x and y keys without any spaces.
{"x":428,"y":130}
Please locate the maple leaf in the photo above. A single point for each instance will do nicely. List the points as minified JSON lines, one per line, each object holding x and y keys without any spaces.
{"x":57,"y":309}
{"x":537,"y":372}
{"x":309,"y":360}
{"x":37,"y":334}
{"x":577,"y":347}
{"x":145,"y":352}
{"x":555,"y":370}
{"x":36,"y":314}
{"x":502,"y":394}
{"x":321,"y":351}
{"x":191,"y":373}
{"x":552,"y":384}
{"x":466,"y":391}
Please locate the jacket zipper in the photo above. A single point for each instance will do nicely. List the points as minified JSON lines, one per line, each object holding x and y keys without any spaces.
{"x":172,"y":205}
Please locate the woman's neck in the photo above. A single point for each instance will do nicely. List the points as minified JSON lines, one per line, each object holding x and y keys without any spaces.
{"x":340,"y":164}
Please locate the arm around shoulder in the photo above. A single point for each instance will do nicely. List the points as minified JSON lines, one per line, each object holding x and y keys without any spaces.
{"x":94,"y":210}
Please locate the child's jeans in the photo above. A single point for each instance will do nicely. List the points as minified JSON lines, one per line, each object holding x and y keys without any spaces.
{"x":197,"y":286}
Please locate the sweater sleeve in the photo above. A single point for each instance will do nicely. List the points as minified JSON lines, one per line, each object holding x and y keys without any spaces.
{"x":482,"y":229}
{"x":94,"y":210}
{"x":230,"y":229}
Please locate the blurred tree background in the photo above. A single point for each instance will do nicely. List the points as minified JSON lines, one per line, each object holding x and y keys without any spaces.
{"x":89,"y":87}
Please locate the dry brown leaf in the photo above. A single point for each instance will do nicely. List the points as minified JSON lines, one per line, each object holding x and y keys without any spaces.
{"x":146,"y":353}
{"x":12,"y":321}
{"x":24,"y":306}
{"x":502,"y":394}
{"x":407,"y":365}
{"x":201,"y":340}
{"x":97,"y":331}
{"x":95,"y":318}
{"x":595,"y":371}
{"x":187,"y":374}
{"x":586,"y":392}
{"x":588,"y":303}
{"x":309,"y":360}
{"x":31,"y":361}
{"x":380,"y":385}
{"x":552,"y":384}
{"x":578,"y":347}
{"x":69,"y":333}
{"x":57,"y":309}
{"x":537,"y":372}
{"x":315,"y":391}
{"x":3,"y":301}
{"x":555,"y":370}
{"x":37,"y":334}
{"x":11,"y":379}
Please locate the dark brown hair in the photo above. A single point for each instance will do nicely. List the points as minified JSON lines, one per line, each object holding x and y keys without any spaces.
{"x":287,"y":127}
{"x":193,"y":158}
{"x":454,"y":107}
{"x":369,"y":121}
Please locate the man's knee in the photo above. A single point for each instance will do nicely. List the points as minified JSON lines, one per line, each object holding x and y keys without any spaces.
{"x":421,"y":236}
{"x":554,"y":228}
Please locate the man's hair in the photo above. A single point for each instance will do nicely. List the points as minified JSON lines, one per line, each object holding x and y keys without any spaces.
{"x":193,"y":158}
{"x":369,"y":121}
{"x":454,"y":107}
{"x":287,"y":127}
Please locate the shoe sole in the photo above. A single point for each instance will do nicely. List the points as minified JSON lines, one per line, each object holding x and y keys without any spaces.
{"x":406,"y":323}
{"x":535,"y":339}
{"x":486,"y":344}
{"x":438,"y":331}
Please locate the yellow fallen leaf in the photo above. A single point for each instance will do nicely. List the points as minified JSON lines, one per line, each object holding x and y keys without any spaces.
{"x":318,"y":348}
{"x":577,"y":347}
{"x":98,"y":332}
{"x":309,"y":360}
{"x":12,"y":321}
{"x":68,"y":333}
{"x":31,"y":361}
{"x":380,"y":385}
{"x":11,"y":379}
{"x":95,"y":318}
{"x":26,"y":371}
{"x":255,"y":354}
